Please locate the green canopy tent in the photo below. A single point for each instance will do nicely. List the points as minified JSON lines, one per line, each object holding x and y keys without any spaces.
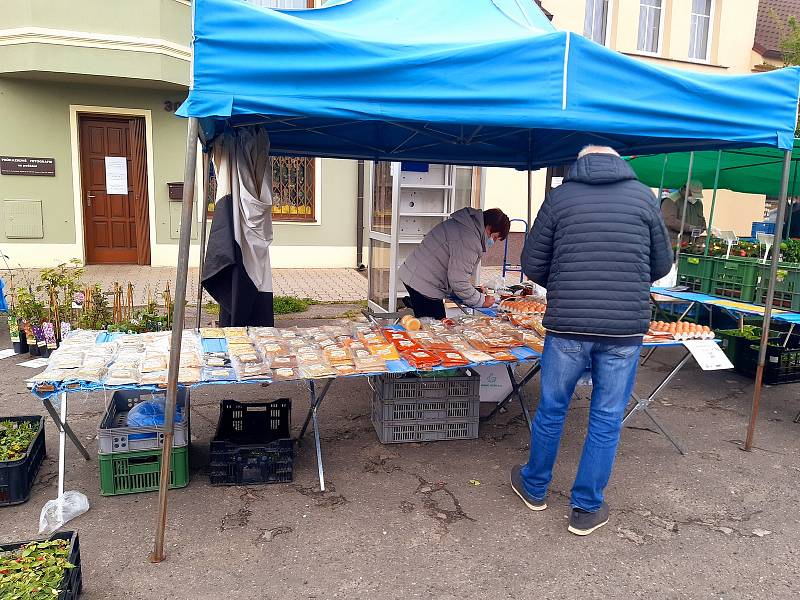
{"x":749,"y":170}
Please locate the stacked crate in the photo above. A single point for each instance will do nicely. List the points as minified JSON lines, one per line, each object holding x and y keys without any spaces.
{"x":413,"y":408}
{"x":130,"y":457}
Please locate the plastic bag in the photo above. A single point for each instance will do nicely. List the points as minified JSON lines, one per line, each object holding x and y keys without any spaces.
{"x":150,"y":413}
{"x":669,"y":280}
{"x":61,"y":510}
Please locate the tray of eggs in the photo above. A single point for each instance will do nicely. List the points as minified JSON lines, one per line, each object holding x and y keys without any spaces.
{"x":663,"y":330}
{"x":517,"y":306}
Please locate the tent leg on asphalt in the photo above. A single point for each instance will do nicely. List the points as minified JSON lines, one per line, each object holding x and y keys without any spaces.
{"x":177,"y":328}
{"x":773,"y":272}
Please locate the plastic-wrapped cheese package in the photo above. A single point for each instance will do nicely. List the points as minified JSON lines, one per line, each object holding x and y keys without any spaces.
{"x":285,"y":374}
{"x":122,"y":375}
{"x":253,"y":371}
{"x":211,"y":333}
{"x":369,"y":364}
{"x":316,"y":370}
{"x":283,"y":362}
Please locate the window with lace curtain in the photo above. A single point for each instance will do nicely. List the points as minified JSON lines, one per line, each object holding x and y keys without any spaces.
{"x":650,"y":25}
{"x":596,"y":20}
{"x":700,"y":34}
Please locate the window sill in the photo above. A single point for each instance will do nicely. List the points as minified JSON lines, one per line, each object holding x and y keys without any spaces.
{"x":686,"y":61}
{"x":306,"y":223}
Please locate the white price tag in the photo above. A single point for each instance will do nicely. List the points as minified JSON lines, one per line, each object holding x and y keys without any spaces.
{"x":708,"y":355}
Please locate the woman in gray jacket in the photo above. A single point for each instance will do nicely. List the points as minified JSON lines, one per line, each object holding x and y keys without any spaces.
{"x":444,"y":263}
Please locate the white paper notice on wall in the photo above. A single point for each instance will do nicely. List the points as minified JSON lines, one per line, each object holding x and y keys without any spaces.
{"x":708,"y":355}
{"x":116,"y":175}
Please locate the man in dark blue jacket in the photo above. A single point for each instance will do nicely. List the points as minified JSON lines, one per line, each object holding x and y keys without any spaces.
{"x":598,"y":242}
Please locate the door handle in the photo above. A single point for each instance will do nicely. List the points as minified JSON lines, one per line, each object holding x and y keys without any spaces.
{"x":89,"y":197}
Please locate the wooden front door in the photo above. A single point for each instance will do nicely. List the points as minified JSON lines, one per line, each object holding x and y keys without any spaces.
{"x":116,"y":224}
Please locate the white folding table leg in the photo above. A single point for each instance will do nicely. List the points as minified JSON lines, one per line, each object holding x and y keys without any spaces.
{"x":642,"y":403}
{"x":62,"y":445}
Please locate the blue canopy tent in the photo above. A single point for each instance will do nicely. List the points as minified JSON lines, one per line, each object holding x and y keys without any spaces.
{"x":484,"y":82}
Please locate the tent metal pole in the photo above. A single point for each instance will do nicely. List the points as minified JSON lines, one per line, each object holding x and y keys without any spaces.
{"x":204,"y":200}
{"x":663,"y":175}
{"x":177,"y":328}
{"x":685,"y":202}
{"x":773,"y":271}
{"x":530,"y":209}
{"x":713,"y":203}
{"x":791,"y":204}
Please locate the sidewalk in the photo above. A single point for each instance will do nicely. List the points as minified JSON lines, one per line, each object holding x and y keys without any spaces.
{"x":325,"y":285}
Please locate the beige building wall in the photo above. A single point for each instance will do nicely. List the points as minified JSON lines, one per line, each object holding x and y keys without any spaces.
{"x":732,"y":33}
{"x":122,"y":57}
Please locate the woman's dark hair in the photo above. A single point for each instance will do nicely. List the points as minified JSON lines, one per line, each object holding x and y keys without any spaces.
{"x":497,"y":222}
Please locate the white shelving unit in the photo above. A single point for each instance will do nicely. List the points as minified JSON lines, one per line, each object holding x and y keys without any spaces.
{"x":408,"y":200}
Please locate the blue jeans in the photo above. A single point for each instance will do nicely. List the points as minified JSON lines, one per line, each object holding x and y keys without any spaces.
{"x":613,"y":369}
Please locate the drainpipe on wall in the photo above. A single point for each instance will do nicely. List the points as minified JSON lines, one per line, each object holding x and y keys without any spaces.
{"x":360,"y":217}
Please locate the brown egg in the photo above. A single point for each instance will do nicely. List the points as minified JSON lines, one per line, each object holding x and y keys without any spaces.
{"x":673,"y":328}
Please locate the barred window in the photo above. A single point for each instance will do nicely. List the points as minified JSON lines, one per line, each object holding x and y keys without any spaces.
{"x":292,"y":188}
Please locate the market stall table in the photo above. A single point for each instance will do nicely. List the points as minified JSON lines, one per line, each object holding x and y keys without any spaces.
{"x":46,"y":390}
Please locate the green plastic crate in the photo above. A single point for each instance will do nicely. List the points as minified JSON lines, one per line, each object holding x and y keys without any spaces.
{"x":140,"y":471}
{"x":787,"y":286}
{"x":695,"y":272}
{"x":735,"y":278}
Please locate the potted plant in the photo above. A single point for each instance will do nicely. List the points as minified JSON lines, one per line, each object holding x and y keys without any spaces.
{"x":61,"y":285}
{"x":17,"y":334}
{"x":30,"y":313}
{"x":96,"y":313}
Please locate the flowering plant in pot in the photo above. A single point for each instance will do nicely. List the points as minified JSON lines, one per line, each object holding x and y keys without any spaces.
{"x":30,"y":313}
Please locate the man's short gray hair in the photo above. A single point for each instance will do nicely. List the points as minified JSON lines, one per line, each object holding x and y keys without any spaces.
{"x":597,"y":150}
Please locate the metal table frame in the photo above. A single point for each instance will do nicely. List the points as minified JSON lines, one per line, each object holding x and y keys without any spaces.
{"x":316,"y":397}
{"x":643,"y":402}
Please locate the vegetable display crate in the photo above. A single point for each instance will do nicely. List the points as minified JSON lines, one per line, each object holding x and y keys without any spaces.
{"x":409,"y":408}
{"x":734,"y":344}
{"x":782,"y":364}
{"x":252,"y":444}
{"x":115,"y":436}
{"x":17,"y":476}
{"x":695,"y":272}
{"x":140,"y":471}
{"x":72,"y":583}
{"x":735,"y":278}
{"x":465,"y":383}
{"x":787,"y":286}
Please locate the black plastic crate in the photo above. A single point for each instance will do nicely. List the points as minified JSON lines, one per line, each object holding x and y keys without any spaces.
{"x":72,"y":583}
{"x":252,"y":444}
{"x":782,"y":365}
{"x":17,"y":476}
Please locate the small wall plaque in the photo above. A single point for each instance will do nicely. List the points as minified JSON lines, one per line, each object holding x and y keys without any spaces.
{"x":27,"y":165}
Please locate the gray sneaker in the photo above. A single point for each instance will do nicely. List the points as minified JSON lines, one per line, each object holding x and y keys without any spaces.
{"x":584,"y":523}
{"x":519,"y":487}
